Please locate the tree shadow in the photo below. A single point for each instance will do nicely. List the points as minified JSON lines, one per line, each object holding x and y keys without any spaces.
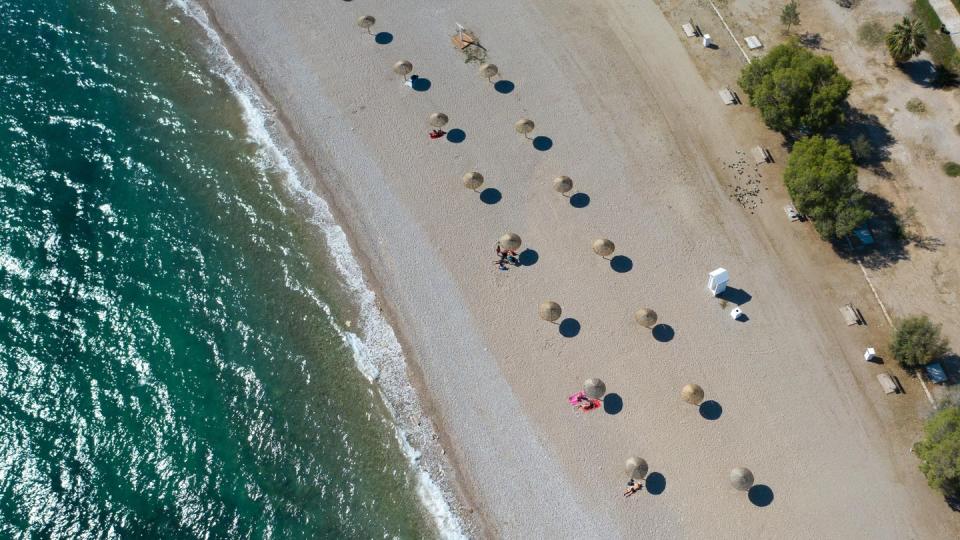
{"x":735,"y":296}
{"x":760,"y":495}
{"x":920,"y":71}
{"x":868,"y":138}
{"x":612,"y":403}
{"x":663,"y":333}
{"x":420,"y":84}
{"x":491,"y":196}
{"x":569,"y":328}
{"x":542,"y":143}
{"x":951,"y":366}
{"x":711,"y":410}
{"x":580,"y":200}
{"x":504,"y":86}
{"x":383,"y":38}
{"x":656,"y":483}
{"x":621,"y":264}
{"x":528,"y":257}
{"x":890,"y":242}
{"x":456,"y":136}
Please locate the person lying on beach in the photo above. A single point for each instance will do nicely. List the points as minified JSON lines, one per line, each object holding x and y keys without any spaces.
{"x":633,"y":486}
{"x":437,"y":133}
{"x":582,"y":402}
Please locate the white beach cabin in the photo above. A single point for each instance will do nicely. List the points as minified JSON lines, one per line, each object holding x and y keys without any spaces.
{"x":717,"y":282}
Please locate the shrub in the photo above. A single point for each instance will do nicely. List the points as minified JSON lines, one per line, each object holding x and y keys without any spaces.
{"x":917,"y":342}
{"x":862,"y":149}
{"x":951,"y":168}
{"x":822,"y":181}
{"x":871,"y":34}
{"x":916,"y":106}
{"x":939,"y":451}
{"x":796,"y":90}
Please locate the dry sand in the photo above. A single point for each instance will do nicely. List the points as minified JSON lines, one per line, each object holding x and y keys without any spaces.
{"x":636,"y":128}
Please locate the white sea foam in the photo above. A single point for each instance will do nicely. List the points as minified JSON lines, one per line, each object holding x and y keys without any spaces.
{"x":377,"y":353}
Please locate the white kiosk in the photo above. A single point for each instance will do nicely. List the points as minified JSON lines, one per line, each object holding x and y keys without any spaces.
{"x":717,"y":283}
{"x":869,"y":354}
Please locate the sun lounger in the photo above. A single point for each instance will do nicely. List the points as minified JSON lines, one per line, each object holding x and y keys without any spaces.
{"x":888,"y":383}
{"x":728,"y":97}
{"x":760,"y":154}
{"x":688,"y":30}
{"x":851,"y":315}
{"x":753,"y":42}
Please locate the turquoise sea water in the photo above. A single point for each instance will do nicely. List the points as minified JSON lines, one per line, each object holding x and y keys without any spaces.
{"x":169,"y":361}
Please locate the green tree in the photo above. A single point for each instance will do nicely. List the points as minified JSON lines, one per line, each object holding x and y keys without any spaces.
{"x":917,"y":342}
{"x":939,"y":451}
{"x":790,"y":15}
{"x":907,"y":39}
{"x":822,"y":181}
{"x":796,"y":90}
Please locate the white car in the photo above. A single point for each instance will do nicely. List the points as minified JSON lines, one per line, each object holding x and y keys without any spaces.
{"x":791,"y":212}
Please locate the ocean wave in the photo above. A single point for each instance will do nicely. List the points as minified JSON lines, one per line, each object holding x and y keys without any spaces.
{"x":377,"y":353}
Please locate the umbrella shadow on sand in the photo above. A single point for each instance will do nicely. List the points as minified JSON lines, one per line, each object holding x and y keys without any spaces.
{"x":760,"y":495}
{"x":612,"y":403}
{"x":656,"y":483}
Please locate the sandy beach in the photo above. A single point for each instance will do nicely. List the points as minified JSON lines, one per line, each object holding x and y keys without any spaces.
{"x":635,"y":126}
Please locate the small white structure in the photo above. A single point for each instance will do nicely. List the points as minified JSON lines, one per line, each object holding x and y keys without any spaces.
{"x":717,"y":282}
{"x":760,"y":155}
{"x":869,"y":354}
{"x":735,"y":313}
{"x":688,"y":30}
{"x":753,"y":42}
{"x":707,"y":41}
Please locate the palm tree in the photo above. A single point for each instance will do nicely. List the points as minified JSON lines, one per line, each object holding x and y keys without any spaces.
{"x":906,"y":40}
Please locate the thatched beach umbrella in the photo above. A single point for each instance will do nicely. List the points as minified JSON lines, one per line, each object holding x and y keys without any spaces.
{"x":603,"y":247}
{"x":636,"y":468}
{"x":488,"y":71}
{"x":438,"y":119}
{"x":550,"y":311}
{"x":741,"y":478}
{"x":403,"y":68}
{"x":692,"y":394}
{"x":562,"y":184}
{"x":473,"y":180}
{"x":594,"y":388}
{"x":524,"y":126}
{"x":510,"y":241}
{"x":366,"y":22}
{"x":645,"y":316}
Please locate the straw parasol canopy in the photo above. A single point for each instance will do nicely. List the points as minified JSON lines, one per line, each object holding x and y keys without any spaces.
{"x":366,"y":22}
{"x":489,"y":71}
{"x":692,"y":394}
{"x":403,"y":68}
{"x":645,"y":316}
{"x":438,"y":119}
{"x":636,"y":468}
{"x":524,"y":126}
{"x":510,"y":241}
{"x":473,"y":180}
{"x":594,"y":388}
{"x":741,"y":478}
{"x":562,"y":184}
{"x":550,"y":311}
{"x":603,"y":247}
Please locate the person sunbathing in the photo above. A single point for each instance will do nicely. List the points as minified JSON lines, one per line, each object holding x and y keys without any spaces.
{"x":633,"y":486}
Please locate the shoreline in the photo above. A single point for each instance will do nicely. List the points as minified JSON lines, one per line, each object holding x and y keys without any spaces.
{"x":434,"y":455}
